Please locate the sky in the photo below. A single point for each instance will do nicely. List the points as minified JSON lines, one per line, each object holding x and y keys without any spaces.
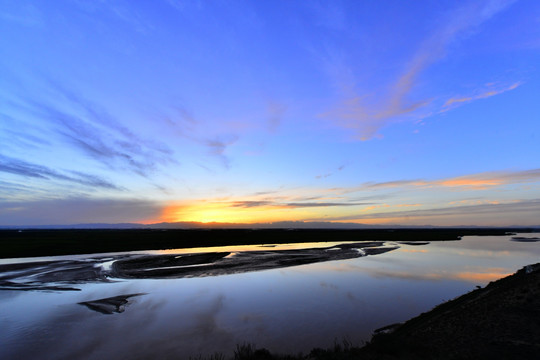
{"x":369,"y":112}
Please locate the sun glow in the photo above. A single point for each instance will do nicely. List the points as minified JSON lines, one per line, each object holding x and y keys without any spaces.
{"x":246,"y":212}
{"x":208,"y":212}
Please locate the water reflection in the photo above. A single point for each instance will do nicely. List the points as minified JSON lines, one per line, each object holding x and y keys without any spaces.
{"x":285,"y":310}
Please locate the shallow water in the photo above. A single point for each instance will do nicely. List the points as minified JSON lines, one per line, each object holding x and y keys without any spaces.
{"x":286,"y":310}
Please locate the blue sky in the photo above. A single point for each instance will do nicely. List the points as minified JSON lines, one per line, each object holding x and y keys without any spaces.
{"x":387,"y":112}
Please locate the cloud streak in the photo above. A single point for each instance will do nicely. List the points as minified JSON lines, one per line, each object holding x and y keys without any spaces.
{"x":367,"y":114}
{"x":29,"y":170}
{"x":479,"y":181}
{"x":457,"y":101}
{"x":519,"y":206}
{"x":217,"y":147}
{"x":74,"y":123}
{"x":267,"y":203}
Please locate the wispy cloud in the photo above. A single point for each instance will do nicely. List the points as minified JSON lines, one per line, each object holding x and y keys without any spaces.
{"x":367,"y":113}
{"x":26,"y":169}
{"x":17,"y":190}
{"x":276,"y":111}
{"x":323,"y":176}
{"x":485,"y":93}
{"x":251,"y":203}
{"x":479,"y":181}
{"x":268,"y":203}
{"x":217,"y":147}
{"x":184,"y":123}
{"x":323,"y":204}
{"x":519,"y":206}
{"x":88,"y":128}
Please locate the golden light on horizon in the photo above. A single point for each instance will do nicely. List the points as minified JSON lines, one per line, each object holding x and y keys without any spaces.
{"x":254,"y":211}
{"x":246,"y":212}
{"x":210,"y":212}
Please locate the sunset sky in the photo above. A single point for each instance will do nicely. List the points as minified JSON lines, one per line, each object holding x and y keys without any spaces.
{"x":372,"y":112}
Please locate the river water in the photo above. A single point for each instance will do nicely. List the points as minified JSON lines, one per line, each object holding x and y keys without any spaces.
{"x":286,"y":310}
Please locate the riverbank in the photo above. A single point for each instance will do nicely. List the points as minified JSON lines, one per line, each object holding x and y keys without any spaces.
{"x":499,"y":321}
{"x":35,"y":242}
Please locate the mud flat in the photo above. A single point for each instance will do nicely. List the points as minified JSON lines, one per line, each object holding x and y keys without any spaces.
{"x":66,"y":274}
{"x":111,"y":305}
{"x":525,"y":239}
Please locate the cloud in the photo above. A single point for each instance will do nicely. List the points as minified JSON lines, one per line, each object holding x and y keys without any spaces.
{"x":457,"y":101}
{"x":367,"y":114}
{"x":298,"y":205}
{"x":26,"y":169}
{"x":479,"y":181}
{"x":184,"y":123}
{"x":519,"y":206}
{"x":323,"y":176}
{"x":217,"y":147}
{"x":267,"y":203}
{"x":24,"y":190}
{"x":77,"y":210}
{"x":276,"y":112}
{"x":99,"y":115}
{"x":23,"y":139}
{"x":250,"y":204}
{"x":90,"y":129}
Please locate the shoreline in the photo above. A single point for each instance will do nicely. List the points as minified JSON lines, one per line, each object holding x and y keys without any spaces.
{"x":36,"y":243}
{"x":498,"y":321}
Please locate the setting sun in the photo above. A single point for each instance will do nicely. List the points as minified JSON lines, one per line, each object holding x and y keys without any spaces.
{"x":207,"y":212}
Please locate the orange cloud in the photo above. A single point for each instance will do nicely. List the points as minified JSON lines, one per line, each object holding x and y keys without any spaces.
{"x":483,"y":95}
{"x":471,"y":182}
{"x":474,"y":202}
{"x":479,"y":181}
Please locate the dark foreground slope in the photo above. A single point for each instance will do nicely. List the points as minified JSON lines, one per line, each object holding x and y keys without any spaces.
{"x":36,"y":242}
{"x":500,"y":321}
